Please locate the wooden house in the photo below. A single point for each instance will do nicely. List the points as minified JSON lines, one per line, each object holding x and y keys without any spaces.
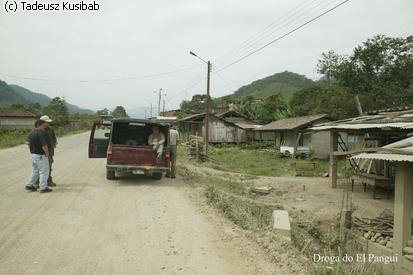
{"x":227,"y":127}
{"x":293,"y":132}
{"x":16,"y":119}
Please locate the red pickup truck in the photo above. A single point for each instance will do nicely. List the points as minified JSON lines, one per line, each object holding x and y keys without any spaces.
{"x":124,"y":144}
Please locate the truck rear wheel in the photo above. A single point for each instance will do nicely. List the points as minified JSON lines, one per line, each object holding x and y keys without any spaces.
{"x":157,"y":176}
{"x":110,"y":174}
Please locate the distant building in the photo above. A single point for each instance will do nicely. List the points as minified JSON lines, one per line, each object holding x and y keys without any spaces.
{"x":292,"y":132}
{"x":170,"y":113}
{"x":227,"y":127}
{"x":16,"y":119}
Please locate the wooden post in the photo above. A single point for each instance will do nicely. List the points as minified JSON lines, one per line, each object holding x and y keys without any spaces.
{"x":297,"y":140}
{"x":402,"y":206}
{"x":333,"y":159}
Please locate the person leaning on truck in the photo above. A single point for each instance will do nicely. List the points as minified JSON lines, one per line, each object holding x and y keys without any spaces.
{"x":157,"y":140}
{"x":40,"y":158}
{"x":173,"y":143}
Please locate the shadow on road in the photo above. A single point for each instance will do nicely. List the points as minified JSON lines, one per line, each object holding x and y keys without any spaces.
{"x":139,"y":180}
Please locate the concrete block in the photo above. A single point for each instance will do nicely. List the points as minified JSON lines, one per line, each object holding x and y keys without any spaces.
{"x":410,"y":243}
{"x":409,"y":257}
{"x":264,"y":190}
{"x":408,"y":250}
{"x":281,"y":223}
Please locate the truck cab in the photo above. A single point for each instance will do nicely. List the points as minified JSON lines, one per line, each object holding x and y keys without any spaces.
{"x":124,"y":144}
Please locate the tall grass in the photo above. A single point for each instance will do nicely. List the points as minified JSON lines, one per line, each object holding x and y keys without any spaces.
{"x":12,"y":138}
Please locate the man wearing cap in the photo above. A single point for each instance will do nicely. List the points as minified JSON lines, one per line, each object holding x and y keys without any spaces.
{"x":39,"y":152}
{"x":51,"y":144}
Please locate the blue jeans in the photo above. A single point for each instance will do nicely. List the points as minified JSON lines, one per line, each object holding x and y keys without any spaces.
{"x":40,"y":168}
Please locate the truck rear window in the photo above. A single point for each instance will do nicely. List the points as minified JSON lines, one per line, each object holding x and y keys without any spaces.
{"x":133,"y":133}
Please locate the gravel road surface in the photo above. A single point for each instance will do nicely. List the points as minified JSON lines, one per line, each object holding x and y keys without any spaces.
{"x":89,"y":225}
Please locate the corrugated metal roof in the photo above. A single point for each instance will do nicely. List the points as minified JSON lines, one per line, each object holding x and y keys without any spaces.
{"x":384,"y":156}
{"x":395,"y":125}
{"x":406,"y":144}
{"x":402,"y":145}
{"x":396,"y":120}
{"x":291,"y":123}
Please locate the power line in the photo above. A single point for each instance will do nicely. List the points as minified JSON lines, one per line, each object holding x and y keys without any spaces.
{"x":284,"y":35}
{"x":265,"y":29}
{"x":221,"y":73}
{"x":286,"y":25}
{"x":272,"y":28}
{"x":103,"y":80}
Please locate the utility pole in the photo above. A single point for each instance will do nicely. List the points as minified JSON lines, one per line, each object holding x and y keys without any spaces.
{"x":159,"y":102}
{"x":151,"y":110}
{"x":163,"y":108}
{"x":206,"y":120}
{"x":207,"y":109}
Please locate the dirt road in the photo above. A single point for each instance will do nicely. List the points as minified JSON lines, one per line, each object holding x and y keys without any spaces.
{"x":89,"y":225}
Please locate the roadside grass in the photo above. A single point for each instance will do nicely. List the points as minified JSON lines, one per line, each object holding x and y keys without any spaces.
{"x":11,"y":138}
{"x":261,"y":163}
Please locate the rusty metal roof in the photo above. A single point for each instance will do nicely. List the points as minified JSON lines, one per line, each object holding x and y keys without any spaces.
{"x":15,"y":112}
{"x":291,"y":123}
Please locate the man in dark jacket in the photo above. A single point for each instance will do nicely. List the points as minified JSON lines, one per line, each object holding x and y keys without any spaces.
{"x":52,"y":142}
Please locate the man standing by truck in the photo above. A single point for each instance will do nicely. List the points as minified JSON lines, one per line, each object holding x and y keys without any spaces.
{"x":173,"y":146}
{"x":40,"y":158}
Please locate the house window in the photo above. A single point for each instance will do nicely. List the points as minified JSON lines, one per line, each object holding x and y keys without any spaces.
{"x":351,"y":139}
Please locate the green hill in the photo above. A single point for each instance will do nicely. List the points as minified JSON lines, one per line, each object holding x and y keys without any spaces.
{"x":14,"y":94}
{"x":285,"y":84}
{"x":8,"y":96}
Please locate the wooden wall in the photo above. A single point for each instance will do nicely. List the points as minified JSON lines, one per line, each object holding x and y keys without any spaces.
{"x":17,"y":123}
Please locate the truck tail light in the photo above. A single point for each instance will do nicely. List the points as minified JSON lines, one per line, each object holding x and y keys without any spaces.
{"x":109,"y":154}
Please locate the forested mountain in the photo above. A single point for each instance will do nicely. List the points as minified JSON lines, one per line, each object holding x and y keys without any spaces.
{"x":8,"y":96}
{"x":284,"y":84}
{"x":14,"y":94}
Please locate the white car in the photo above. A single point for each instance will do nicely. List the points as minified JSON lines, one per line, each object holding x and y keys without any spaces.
{"x":289,"y":150}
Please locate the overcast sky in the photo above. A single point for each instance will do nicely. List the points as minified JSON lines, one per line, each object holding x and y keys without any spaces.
{"x":133,"y":38}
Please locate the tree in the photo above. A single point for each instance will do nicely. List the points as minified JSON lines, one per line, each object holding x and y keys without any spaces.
{"x":335,"y":101}
{"x":380,"y":71}
{"x":119,"y":112}
{"x":271,"y":108}
{"x":57,"y":111}
{"x":35,"y":108}
{"x":104,"y":111}
{"x":18,"y":106}
{"x":196,"y":105}
{"x":306,"y":101}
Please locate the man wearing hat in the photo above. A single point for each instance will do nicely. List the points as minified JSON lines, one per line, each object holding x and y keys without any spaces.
{"x":51,"y":144}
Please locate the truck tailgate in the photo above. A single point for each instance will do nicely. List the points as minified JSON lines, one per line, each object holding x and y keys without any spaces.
{"x":142,"y":156}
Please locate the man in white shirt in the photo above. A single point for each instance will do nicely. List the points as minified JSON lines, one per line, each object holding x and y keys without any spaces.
{"x":157,"y":140}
